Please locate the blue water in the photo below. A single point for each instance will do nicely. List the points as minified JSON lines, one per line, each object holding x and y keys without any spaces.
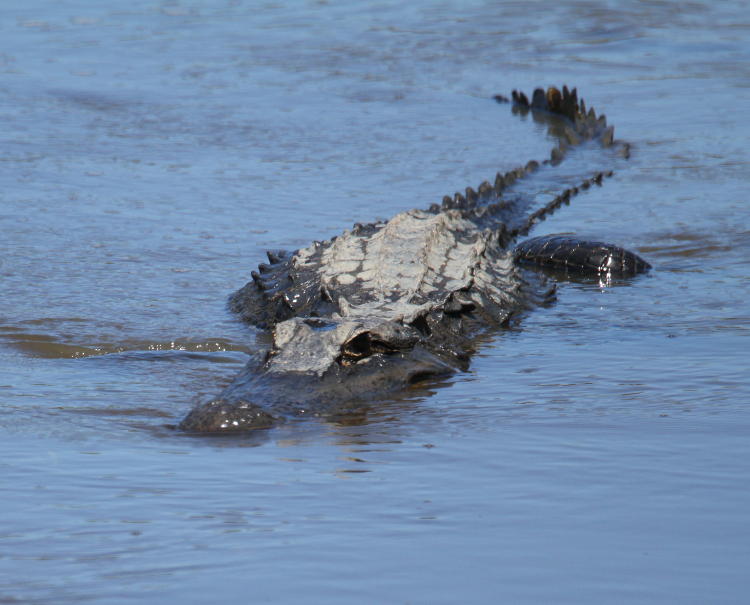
{"x":152,"y":151}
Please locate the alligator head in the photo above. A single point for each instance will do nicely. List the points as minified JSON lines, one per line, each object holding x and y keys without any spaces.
{"x":323,"y":367}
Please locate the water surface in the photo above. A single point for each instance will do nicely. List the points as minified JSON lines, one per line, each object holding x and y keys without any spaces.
{"x":152,"y":151}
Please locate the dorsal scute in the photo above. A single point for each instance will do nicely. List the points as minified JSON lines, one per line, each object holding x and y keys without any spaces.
{"x":411,"y":257}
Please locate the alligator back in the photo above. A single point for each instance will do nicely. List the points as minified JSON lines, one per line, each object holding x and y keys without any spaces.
{"x":397,"y":270}
{"x":449,"y":255}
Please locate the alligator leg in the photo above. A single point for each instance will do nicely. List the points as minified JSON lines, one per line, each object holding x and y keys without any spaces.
{"x":579,"y":257}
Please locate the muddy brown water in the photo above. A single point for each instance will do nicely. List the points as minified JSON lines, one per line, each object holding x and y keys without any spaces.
{"x":151,"y":152}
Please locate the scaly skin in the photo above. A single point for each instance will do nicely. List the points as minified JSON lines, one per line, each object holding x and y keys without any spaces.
{"x":392,"y":303}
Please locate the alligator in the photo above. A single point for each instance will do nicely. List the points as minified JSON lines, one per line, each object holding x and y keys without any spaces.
{"x":389,"y":304}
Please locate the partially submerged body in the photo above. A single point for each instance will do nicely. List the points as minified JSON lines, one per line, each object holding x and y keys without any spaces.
{"x":393,"y":303}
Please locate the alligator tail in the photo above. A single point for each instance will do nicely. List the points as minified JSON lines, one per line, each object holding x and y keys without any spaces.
{"x":570,"y":123}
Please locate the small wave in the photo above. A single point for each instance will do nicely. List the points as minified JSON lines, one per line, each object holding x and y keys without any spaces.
{"x":49,"y":347}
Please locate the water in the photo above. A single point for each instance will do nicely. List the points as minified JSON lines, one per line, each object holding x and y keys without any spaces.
{"x":151,"y":151}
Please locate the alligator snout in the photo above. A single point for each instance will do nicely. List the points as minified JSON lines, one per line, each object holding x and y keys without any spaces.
{"x":222,"y":416}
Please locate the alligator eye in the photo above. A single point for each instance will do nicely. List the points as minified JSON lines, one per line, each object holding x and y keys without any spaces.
{"x":358,"y":347}
{"x":364,"y":345}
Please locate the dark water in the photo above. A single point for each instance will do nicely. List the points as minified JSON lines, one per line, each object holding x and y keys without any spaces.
{"x":151,"y":151}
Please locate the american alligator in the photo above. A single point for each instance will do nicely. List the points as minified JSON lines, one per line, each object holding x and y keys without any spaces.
{"x":389,"y":304}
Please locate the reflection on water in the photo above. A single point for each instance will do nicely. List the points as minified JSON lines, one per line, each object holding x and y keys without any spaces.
{"x":153,"y":151}
{"x":688,"y":245}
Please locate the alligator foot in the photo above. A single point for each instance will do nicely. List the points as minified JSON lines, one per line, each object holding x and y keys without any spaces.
{"x":580,"y":257}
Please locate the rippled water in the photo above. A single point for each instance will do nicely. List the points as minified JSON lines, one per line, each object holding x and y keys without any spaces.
{"x":151,"y":151}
